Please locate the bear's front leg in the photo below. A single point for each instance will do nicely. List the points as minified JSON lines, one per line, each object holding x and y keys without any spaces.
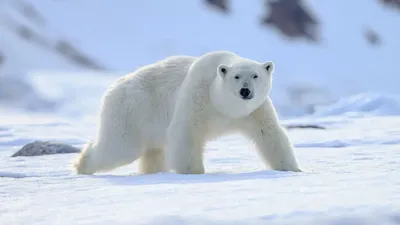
{"x":184,"y":150}
{"x":271,"y":139}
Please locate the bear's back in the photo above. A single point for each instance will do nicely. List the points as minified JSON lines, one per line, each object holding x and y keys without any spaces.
{"x":150,"y":92}
{"x":165,"y":75}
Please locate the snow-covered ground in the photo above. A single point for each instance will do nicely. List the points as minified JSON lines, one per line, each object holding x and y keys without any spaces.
{"x":351,"y":170}
{"x":351,"y":177}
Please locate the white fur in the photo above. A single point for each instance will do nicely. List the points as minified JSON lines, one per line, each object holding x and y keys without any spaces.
{"x":164,"y":113}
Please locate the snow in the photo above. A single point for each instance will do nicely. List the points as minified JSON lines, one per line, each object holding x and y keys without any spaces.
{"x":351,"y":169}
{"x":25,"y":55}
{"x":355,"y":181}
{"x":363,"y":103}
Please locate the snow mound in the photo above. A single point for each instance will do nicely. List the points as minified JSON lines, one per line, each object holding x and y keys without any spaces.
{"x":363,"y":104}
{"x":19,"y":93}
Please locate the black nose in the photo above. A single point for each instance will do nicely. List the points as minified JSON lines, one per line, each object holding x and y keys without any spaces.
{"x":245,"y":93}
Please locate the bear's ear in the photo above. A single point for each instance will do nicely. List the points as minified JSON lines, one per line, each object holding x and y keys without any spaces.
{"x":222,"y":70}
{"x":269,"y":66}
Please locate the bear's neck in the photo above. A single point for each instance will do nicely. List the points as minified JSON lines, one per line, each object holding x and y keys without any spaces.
{"x":221,"y":102}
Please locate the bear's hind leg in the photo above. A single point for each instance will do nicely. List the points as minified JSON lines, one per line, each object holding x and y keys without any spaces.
{"x":117,"y":144}
{"x":152,"y":161}
{"x":98,"y":158}
{"x":83,"y":164}
{"x":93,"y":159}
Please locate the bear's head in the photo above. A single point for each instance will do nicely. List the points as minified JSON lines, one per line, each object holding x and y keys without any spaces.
{"x":242,"y":87}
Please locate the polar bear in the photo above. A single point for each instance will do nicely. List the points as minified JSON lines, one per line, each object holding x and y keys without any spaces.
{"x":163,"y":114}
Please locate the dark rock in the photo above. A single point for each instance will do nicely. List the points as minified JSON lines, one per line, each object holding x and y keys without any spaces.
{"x":38,"y":148}
{"x":222,"y":5}
{"x":2,"y":58}
{"x":305,"y":126}
{"x":292,"y":19}
{"x":394,"y":4}
{"x":372,"y":37}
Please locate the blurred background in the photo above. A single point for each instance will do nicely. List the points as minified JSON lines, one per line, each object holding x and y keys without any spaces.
{"x":331,"y":56}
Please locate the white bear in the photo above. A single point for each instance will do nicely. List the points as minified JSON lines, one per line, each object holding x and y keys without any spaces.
{"x":164,"y":113}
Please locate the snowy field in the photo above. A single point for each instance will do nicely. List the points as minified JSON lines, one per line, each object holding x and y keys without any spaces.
{"x":351,"y":171}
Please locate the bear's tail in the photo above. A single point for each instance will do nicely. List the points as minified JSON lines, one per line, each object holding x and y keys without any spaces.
{"x":82,"y":164}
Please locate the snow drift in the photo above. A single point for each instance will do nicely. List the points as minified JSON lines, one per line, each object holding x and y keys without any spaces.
{"x":363,"y":104}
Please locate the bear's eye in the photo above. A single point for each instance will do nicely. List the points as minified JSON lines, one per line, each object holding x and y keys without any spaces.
{"x":255,"y":76}
{"x":223,"y":70}
{"x":237,"y":77}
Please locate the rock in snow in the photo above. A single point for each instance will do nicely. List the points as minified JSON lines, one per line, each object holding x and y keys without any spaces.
{"x":45,"y":148}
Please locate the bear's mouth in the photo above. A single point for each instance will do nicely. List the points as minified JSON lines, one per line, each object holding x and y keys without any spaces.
{"x":247,"y":97}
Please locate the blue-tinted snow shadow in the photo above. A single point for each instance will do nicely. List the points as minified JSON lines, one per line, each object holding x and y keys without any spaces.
{"x":371,"y":217}
{"x":345,"y":143}
{"x":14,"y":175}
{"x":168,"y":178}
